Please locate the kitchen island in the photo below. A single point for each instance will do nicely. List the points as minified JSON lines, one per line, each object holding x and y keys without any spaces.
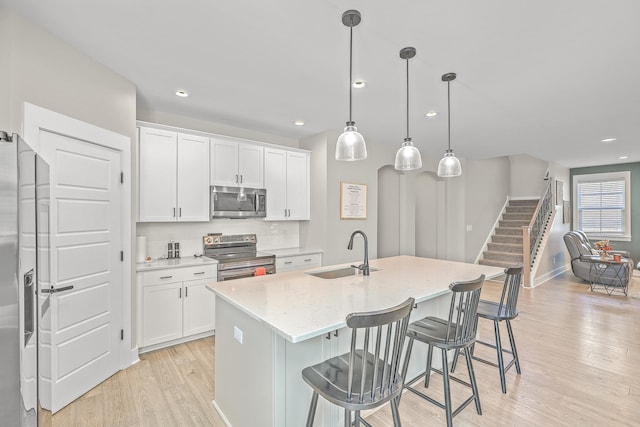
{"x":269,"y":328}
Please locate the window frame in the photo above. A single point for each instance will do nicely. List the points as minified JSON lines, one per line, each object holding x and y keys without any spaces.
{"x":603,"y":177}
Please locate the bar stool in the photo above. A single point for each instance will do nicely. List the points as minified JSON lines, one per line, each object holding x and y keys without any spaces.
{"x":369,"y":375}
{"x":457,"y":332}
{"x":505,"y":311}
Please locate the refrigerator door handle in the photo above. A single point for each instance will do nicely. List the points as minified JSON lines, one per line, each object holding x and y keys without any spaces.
{"x":28,"y":311}
{"x":56,"y":290}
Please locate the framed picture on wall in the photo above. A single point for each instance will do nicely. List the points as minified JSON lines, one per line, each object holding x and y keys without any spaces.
{"x":353,"y":201}
{"x":566,"y":212}
{"x":559,"y":195}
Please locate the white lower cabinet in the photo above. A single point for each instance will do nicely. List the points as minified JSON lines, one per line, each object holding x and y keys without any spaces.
{"x":297,"y":262}
{"x":175,"y":304}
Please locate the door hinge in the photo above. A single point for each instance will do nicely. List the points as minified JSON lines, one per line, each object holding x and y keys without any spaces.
{"x":122,"y":177}
{"x":121,"y":255}
{"x":121,"y":334}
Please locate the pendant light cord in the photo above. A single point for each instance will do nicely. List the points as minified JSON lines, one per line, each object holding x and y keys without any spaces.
{"x":407,"y":98}
{"x":449,"y":111}
{"x":350,"y":65}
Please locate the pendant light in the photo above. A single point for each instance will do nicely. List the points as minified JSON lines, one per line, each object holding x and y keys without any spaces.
{"x":449,"y":166}
{"x":350,"y":145}
{"x":408,"y":157}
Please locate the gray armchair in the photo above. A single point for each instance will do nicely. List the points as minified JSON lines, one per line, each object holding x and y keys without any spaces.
{"x":587,"y":268}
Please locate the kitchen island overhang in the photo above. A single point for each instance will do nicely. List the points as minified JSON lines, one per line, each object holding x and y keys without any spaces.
{"x":269,"y":328}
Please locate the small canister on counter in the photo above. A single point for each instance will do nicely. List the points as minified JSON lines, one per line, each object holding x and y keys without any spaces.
{"x":176,"y":250}
{"x":170,"y":250}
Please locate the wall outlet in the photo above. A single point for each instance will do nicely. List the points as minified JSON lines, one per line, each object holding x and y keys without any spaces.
{"x":237,"y":334}
{"x":469,"y":228}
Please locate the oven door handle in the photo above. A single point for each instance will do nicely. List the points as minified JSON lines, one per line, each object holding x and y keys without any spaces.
{"x":237,"y":273}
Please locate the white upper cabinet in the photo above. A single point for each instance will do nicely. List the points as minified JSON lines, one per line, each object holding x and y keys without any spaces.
{"x":286,"y":178}
{"x":193,"y":178}
{"x":236,"y":164}
{"x":173,"y":176}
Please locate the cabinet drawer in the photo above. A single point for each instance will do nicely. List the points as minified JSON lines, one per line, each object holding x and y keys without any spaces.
{"x":298,"y":262}
{"x":181,"y":274}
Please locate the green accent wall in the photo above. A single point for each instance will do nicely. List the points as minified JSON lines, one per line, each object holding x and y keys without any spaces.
{"x":634,"y":245}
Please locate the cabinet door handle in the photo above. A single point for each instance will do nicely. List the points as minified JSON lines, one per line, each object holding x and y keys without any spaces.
{"x":180,"y":293}
{"x":198,"y":273}
{"x":166,"y":277}
{"x":307,"y":260}
{"x":174,"y":212}
{"x":180,"y":212}
{"x":285,"y":212}
{"x":288,"y":262}
{"x":186,"y":292}
{"x":240,"y":178}
{"x":236,"y":178}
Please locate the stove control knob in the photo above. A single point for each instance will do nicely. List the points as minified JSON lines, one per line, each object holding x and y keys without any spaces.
{"x":216,"y":239}
{"x":208,"y":240}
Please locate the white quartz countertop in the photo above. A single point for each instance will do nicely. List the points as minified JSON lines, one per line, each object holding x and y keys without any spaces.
{"x":299,"y":306}
{"x":292,"y":251}
{"x":174,"y":263}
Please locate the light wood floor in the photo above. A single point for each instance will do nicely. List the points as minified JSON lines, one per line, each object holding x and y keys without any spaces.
{"x":579,"y":351}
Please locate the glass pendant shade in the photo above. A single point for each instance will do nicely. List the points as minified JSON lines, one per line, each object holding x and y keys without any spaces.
{"x":408,"y":157}
{"x":350,"y":145}
{"x":449,"y":165}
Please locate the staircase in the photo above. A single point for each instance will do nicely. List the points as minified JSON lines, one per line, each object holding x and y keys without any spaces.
{"x":505,"y":248}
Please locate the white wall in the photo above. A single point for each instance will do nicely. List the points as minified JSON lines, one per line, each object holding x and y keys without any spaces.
{"x":553,"y":258}
{"x":488,"y":185}
{"x":5,"y":71}
{"x":527,"y":176}
{"x":314,"y":233}
{"x":43,"y":70}
{"x":211,"y":127}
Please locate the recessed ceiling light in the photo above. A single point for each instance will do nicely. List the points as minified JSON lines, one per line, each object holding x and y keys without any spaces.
{"x":623,"y":157}
{"x":358,"y":84}
{"x":431,"y":114}
{"x":182,"y":93}
{"x":608,"y":140}
{"x":298,"y":123}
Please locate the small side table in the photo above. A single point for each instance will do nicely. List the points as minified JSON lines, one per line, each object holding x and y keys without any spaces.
{"x":610,"y":274}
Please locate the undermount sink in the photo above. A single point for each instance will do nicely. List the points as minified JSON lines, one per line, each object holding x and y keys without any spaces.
{"x":338,"y":272}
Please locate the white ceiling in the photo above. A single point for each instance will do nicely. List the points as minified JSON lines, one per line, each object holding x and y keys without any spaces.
{"x":547,"y":78}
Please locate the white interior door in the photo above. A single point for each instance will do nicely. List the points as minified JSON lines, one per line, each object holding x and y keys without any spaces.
{"x":86,"y":245}
{"x":86,"y":239}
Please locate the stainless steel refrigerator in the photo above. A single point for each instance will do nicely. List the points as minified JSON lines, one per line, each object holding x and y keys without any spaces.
{"x":24,"y":266}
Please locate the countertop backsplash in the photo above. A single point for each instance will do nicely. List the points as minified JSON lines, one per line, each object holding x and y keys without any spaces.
{"x":270,"y":234}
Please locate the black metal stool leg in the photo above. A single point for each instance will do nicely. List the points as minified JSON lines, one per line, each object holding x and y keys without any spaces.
{"x":427,"y":374}
{"x":503,"y":381}
{"x":312,"y":409}
{"x":347,"y":418}
{"x":455,"y":360}
{"x":472,"y":379}
{"x":395,"y":413}
{"x":513,"y":346}
{"x":447,"y":388}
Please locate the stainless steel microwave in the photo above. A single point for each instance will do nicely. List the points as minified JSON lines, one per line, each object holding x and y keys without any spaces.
{"x":238,"y":202}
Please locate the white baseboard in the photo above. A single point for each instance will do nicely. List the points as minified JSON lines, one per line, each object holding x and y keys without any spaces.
{"x":219,"y":411}
{"x":133,"y":357}
{"x":550,"y":275}
{"x":174,"y":342}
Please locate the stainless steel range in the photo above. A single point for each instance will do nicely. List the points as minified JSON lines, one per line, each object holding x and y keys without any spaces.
{"x":237,"y":256}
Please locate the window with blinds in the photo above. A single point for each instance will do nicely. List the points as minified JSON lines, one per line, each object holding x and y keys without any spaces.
{"x":602,"y":204}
